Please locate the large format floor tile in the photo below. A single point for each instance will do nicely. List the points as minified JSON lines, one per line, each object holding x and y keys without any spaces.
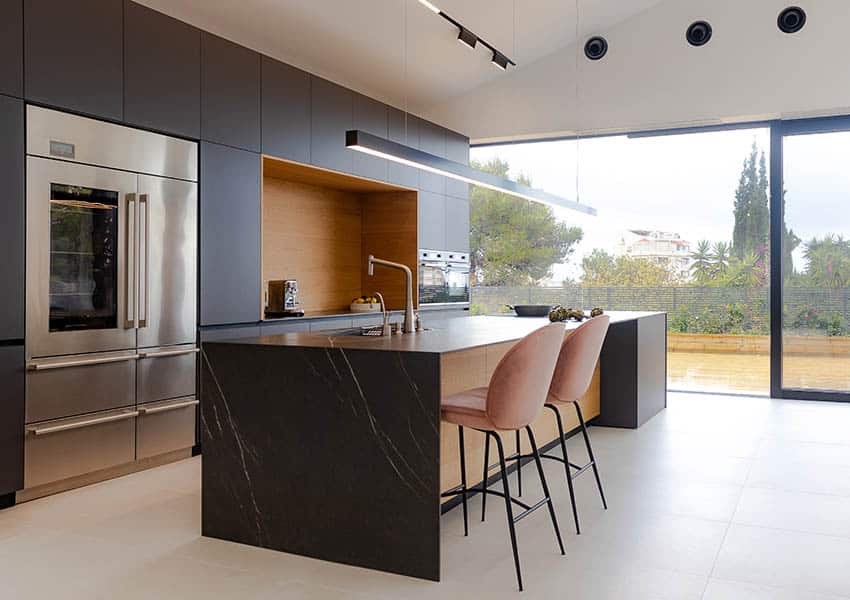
{"x":717,"y":498}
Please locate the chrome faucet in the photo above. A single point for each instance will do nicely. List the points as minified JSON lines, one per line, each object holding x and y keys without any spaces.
{"x":385,"y":328}
{"x":409,"y":326}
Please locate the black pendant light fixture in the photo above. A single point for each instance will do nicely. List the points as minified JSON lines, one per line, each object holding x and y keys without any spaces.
{"x":405,"y":155}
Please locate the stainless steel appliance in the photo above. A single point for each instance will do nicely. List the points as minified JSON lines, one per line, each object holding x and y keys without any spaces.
{"x":282,"y":299}
{"x":111,"y":290}
{"x":443,"y":277}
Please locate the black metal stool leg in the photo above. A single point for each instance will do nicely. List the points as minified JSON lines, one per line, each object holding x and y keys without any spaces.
{"x":508,"y":507}
{"x":463,"y":479}
{"x":590,"y":453}
{"x":518,"y":465}
{"x":561,"y":437}
{"x":486,"y":474}
{"x":539,"y":463}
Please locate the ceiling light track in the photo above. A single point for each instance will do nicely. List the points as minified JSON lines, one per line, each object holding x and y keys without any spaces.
{"x":405,"y":155}
{"x":470,"y":40}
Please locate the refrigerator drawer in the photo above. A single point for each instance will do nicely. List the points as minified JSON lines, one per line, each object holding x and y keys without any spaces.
{"x":79,"y":384}
{"x":65,"y":448}
{"x":167,"y":372}
{"x":166,"y":426}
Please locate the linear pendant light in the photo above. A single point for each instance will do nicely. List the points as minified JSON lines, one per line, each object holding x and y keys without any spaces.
{"x":389,"y":150}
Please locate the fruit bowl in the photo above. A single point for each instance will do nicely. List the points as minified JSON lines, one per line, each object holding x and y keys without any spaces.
{"x":365,"y":304}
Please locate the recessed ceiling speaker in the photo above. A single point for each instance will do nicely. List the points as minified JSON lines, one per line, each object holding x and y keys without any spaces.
{"x":596,"y":47}
{"x":791,"y":20}
{"x":699,"y":33}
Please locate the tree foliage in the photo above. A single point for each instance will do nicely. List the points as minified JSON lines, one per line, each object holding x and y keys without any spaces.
{"x":752,"y":213}
{"x":514,"y":241}
{"x":827,"y":261}
{"x":602,"y":269}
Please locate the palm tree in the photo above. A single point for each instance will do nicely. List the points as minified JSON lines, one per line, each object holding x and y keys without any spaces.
{"x":720,"y":257}
{"x":828,"y":261}
{"x":701,"y":265}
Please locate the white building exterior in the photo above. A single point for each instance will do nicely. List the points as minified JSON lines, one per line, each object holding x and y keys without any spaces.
{"x":663,"y":247}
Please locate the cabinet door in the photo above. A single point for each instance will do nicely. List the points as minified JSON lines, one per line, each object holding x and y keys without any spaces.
{"x":432,"y":139}
{"x":432,"y":221}
{"x":230,"y":93}
{"x":331,"y":117}
{"x":74,"y":55}
{"x":370,"y":116}
{"x":12,"y":204}
{"x":286,"y":111}
{"x":404,"y":129}
{"x":12,"y":381}
{"x":230,"y":235}
{"x":457,"y":149}
{"x":162,"y":72}
{"x":12,"y":47}
{"x":457,"y":224}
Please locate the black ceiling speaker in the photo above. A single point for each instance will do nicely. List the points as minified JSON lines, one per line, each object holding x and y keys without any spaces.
{"x":791,"y":20}
{"x":595,"y":48}
{"x":698,"y":33}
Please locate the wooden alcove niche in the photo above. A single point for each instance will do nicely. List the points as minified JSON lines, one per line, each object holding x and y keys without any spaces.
{"x":320,"y":226}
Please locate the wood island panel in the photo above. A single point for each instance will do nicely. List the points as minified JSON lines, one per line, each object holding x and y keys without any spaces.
{"x":473,"y":368}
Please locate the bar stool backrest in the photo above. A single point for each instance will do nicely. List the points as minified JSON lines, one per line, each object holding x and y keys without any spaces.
{"x":518,"y":388}
{"x":577,"y":359}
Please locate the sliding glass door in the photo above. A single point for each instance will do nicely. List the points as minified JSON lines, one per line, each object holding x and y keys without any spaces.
{"x":811,"y":307}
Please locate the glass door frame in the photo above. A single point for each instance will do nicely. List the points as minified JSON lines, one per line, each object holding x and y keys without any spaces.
{"x":779,"y":130}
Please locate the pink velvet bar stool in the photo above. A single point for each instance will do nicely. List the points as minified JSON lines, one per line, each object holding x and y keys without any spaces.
{"x":573,"y":375}
{"x":513,"y":400}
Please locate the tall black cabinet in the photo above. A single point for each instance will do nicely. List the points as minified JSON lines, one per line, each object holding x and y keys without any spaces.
{"x":12,"y":47}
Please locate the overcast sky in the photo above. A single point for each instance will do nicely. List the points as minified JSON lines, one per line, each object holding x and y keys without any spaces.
{"x":682,"y":183}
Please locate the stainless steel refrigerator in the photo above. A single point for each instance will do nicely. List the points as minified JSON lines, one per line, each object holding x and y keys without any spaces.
{"x":111,"y":297}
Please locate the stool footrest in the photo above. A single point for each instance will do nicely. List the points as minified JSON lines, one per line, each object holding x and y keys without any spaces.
{"x":480,"y":490}
{"x":530,"y":510}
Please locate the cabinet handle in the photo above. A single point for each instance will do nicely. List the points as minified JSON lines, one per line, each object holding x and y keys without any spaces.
{"x":144,"y":259}
{"x":163,"y":353}
{"x":130,"y":276}
{"x":37,"y":366}
{"x":46,"y":429}
{"x":151,"y":410}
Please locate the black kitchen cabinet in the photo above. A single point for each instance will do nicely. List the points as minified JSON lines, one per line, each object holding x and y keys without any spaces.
{"x":404,"y":129}
{"x":230,"y":235}
{"x":457,"y":224}
{"x":12,"y":47}
{"x":331,"y":116}
{"x":230,"y":93}
{"x":432,"y":221}
{"x":162,"y":72}
{"x":73,"y":55}
{"x":286,"y":111}
{"x":457,"y":150}
{"x":12,"y":379}
{"x":12,"y":222}
{"x":432,"y":139}
{"x":370,"y":116}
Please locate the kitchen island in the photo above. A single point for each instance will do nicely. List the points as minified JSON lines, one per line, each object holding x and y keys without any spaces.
{"x":331,"y":446}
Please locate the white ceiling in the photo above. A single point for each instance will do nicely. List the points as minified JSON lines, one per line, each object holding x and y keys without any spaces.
{"x":396,"y":50}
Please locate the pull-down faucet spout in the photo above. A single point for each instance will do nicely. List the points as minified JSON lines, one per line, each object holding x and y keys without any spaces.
{"x":409,"y":325}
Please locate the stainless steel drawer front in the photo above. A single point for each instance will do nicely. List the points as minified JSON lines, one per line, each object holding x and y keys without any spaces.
{"x":166,"y":426}
{"x":166,"y":373}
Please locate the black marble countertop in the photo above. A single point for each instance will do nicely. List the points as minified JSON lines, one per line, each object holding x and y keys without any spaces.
{"x":333,"y":314}
{"x":450,"y":335}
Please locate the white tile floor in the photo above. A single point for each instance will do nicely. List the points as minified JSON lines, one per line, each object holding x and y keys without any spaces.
{"x":720,"y":498}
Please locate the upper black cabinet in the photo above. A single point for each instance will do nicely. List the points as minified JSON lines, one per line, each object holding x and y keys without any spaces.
{"x":230,"y":235}
{"x":74,"y":55}
{"x":331,"y":117}
{"x":12,"y":221}
{"x":162,"y":72}
{"x":432,"y":139}
{"x":12,"y":47}
{"x":370,"y":116}
{"x":457,"y":149}
{"x":286,"y":111}
{"x":404,"y":129}
{"x":230,"y":93}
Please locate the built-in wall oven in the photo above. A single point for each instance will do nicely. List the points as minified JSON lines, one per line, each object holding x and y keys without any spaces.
{"x":443,"y":277}
{"x":111,"y":291}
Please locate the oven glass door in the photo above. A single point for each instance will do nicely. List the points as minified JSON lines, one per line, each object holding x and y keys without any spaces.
{"x":82,"y":251}
{"x":432,"y":283}
{"x":457,"y":283}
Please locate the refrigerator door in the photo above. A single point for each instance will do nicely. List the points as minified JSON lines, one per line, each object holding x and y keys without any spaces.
{"x":81,"y":258}
{"x":168,"y":256}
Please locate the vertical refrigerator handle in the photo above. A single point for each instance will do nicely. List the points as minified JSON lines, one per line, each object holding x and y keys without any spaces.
{"x":130,"y":276}
{"x":144,"y":258}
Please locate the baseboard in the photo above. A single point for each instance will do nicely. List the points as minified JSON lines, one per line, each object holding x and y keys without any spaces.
{"x":7,"y":500}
